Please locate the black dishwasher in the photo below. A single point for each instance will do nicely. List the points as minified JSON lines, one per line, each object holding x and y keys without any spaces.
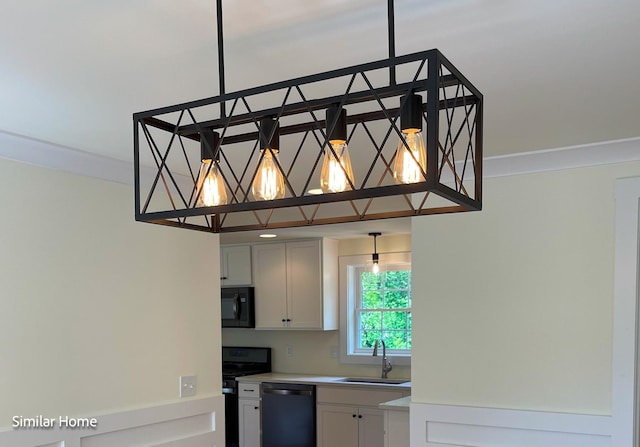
{"x":288,"y":415}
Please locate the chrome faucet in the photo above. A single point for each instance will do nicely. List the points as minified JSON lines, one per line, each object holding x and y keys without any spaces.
{"x":386,"y":364}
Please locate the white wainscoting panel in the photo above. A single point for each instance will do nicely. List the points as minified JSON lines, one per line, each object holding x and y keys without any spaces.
{"x":192,"y":423}
{"x":453,"y":426}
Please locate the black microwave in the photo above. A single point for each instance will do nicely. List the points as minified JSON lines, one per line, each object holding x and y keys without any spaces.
{"x":238,"y":308}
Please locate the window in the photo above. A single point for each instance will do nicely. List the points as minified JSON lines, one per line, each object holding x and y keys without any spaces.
{"x":383,"y":308}
{"x":375,"y":306}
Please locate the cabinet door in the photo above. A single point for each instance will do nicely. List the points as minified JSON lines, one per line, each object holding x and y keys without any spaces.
{"x":249,"y":422}
{"x":304,"y":285}
{"x":370,"y":427}
{"x":235,"y":265}
{"x":396,"y":425}
{"x":270,"y":281}
{"x":337,"y":426}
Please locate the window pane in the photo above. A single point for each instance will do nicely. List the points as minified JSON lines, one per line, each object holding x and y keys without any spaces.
{"x":397,"y":279}
{"x":395,"y":320}
{"x":371,"y":320}
{"x":409,"y":321}
{"x":371,"y":300}
{"x":395,"y":339}
{"x":396,"y":300}
{"x":368,"y":338}
{"x":370,"y":281}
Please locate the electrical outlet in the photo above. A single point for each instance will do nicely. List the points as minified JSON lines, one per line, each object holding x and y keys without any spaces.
{"x":289,"y":350}
{"x":187,"y":386}
{"x":333,"y":352}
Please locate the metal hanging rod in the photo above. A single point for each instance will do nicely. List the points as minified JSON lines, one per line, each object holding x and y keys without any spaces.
{"x":220,"y":30}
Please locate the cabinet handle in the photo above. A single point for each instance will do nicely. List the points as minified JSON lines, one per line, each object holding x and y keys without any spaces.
{"x":256,"y":408}
{"x":359,"y":416}
{"x":248,"y":391}
{"x":353,"y":415}
{"x":283,"y":320}
{"x":288,"y":319}
{"x":223,"y":277}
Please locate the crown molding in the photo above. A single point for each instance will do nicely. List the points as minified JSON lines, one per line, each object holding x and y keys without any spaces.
{"x":54,"y":156}
{"x":48,"y":155}
{"x":585,"y":155}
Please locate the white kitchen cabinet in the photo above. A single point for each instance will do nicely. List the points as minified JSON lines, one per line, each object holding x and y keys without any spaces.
{"x":396,"y":428}
{"x":350,"y":417}
{"x":249,"y":414}
{"x":337,"y":426}
{"x":370,"y":427}
{"x":235,"y":265}
{"x":350,"y":426}
{"x":296,"y":285}
{"x":249,"y":422}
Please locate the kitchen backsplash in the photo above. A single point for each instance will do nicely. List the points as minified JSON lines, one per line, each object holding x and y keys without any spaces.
{"x":311,"y":352}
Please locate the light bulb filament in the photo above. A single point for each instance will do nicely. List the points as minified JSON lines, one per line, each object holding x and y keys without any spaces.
{"x":210,"y":187}
{"x":269,"y":182}
{"x":410,"y":160}
{"x":336,"y":174}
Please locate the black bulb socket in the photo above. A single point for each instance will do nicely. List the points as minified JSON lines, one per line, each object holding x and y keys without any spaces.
{"x":411,"y":112}
{"x":336,"y":121}
{"x":209,"y":145}
{"x":269,"y":134}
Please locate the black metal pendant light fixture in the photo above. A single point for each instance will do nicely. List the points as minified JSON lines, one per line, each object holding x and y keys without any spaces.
{"x":375,"y":259}
{"x":400,"y":137}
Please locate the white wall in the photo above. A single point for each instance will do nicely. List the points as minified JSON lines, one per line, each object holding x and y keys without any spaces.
{"x":98,"y":313}
{"x":311,"y":349}
{"x":513,"y":304}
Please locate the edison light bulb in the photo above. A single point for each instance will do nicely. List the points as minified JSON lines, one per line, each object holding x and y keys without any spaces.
{"x":210,"y":187}
{"x":408,"y":168}
{"x":336,"y":174}
{"x":376,"y":268}
{"x":268,"y":183}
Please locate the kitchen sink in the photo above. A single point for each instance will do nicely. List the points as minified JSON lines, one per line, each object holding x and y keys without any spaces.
{"x":374,"y":380}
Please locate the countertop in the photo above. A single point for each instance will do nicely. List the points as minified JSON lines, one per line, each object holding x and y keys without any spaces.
{"x":401,"y":404}
{"x":316,"y":380}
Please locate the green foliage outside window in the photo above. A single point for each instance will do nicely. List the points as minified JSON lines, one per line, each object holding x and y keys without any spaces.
{"x":384,"y":310}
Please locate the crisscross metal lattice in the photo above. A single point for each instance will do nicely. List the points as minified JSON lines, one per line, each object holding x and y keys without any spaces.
{"x":167,"y":148}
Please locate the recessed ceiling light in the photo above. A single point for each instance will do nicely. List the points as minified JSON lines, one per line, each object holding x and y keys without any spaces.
{"x":315,"y":192}
{"x":268,"y":235}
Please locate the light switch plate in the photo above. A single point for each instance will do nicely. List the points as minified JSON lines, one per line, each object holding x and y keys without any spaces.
{"x":187,"y":386}
{"x":289,"y":350}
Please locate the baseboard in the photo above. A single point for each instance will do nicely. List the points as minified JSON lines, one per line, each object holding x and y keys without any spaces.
{"x":192,"y":423}
{"x":455,"y":426}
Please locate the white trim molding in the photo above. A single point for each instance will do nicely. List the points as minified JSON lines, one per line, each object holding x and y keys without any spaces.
{"x":455,"y":426}
{"x":625,"y":312}
{"x":62,"y":158}
{"x":49,"y":155}
{"x":192,"y":423}
{"x":594,"y":154}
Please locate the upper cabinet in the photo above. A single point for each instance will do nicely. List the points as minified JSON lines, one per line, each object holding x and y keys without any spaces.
{"x":235,"y":265}
{"x":296,"y":285}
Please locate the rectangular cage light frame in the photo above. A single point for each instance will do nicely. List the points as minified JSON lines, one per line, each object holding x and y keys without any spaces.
{"x":452,"y":107}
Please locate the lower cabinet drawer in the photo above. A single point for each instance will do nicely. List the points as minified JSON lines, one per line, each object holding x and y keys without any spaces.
{"x":355,"y":396}
{"x":248,"y":390}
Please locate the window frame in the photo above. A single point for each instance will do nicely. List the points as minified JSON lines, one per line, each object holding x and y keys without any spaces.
{"x":348,"y":266}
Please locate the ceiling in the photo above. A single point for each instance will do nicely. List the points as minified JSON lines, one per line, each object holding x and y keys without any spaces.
{"x":554,"y":73}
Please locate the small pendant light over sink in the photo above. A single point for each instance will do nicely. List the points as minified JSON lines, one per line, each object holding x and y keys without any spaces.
{"x":374,"y":256}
